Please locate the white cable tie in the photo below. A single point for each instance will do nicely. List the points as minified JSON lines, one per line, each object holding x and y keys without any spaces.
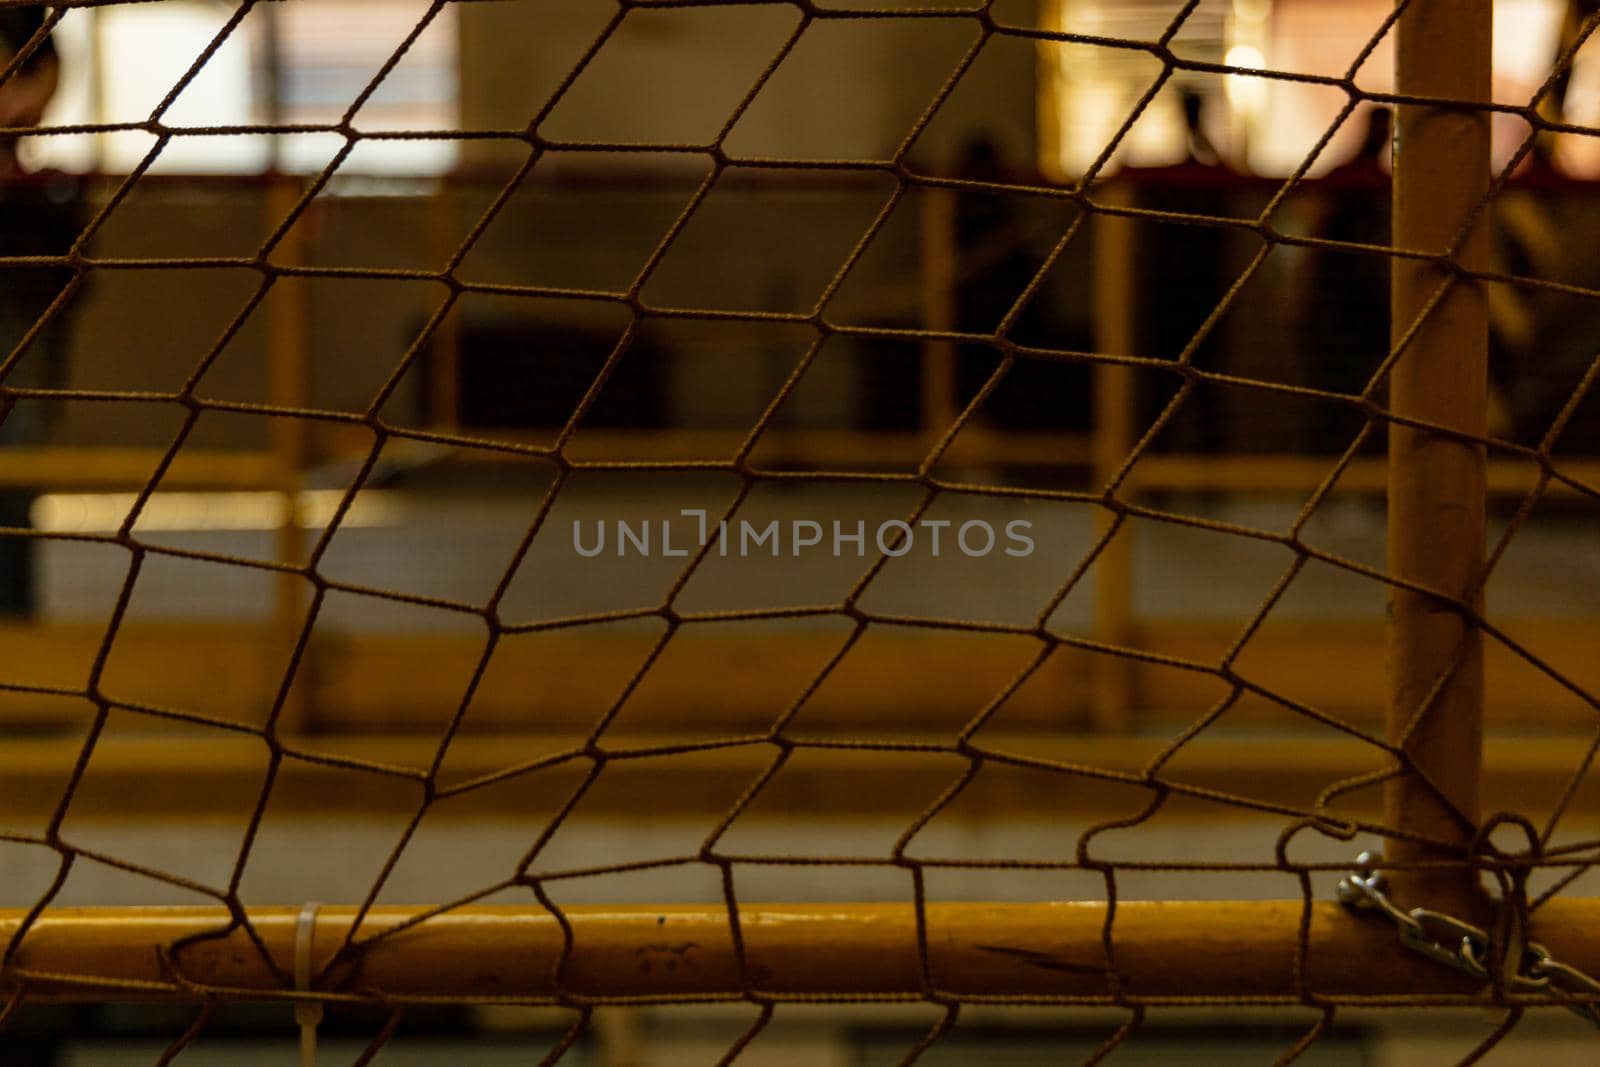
{"x":308,"y":1013}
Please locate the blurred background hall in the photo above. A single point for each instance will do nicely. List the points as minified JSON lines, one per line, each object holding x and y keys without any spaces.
{"x":589,"y":250}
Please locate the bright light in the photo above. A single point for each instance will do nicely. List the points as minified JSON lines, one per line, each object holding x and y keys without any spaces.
{"x":1247,"y":95}
{"x":1247,"y":56}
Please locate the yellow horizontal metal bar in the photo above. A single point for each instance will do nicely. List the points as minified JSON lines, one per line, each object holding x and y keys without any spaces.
{"x":199,"y":774}
{"x":1191,"y":950}
{"x":895,"y":679}
{"x":72,"y":467}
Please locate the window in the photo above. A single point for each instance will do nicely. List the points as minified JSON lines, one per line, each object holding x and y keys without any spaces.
{"x":290,"y":63}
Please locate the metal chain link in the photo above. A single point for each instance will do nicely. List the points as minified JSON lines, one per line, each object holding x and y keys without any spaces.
{"x":1459,"y":944}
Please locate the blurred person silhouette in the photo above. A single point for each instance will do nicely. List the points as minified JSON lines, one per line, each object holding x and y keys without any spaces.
{"x":1542,"y":341}
{"x":1197,"y":142}
{"x":1344,"y":296}
{"x":37,"y":217}
{"x":998,"y":249}
{"x":1539,"y":342}
{"x":1182,"y":279}
{"x":29,"y":90}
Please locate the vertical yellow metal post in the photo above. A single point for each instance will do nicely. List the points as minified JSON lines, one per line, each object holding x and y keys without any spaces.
{"x":1436,"y":483}
{"x":1113,"y":437}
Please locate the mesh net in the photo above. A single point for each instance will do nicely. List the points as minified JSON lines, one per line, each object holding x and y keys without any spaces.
{"x":796,"y":705}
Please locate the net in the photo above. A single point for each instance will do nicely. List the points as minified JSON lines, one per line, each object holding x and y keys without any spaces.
{"x":913,"y":605}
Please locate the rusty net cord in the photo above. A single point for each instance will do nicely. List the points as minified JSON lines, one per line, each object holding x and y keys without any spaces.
{"x":1509,"y":869}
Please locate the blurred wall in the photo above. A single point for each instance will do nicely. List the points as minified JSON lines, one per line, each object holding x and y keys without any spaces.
{"x":849,"y":88}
